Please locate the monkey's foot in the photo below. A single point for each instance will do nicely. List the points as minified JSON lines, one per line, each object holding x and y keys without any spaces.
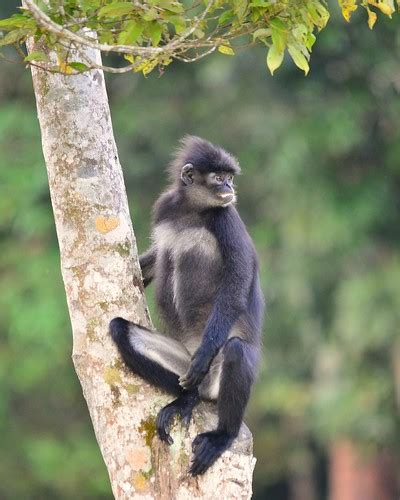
{"x":207,"y":447}
{"x":182,"y":406}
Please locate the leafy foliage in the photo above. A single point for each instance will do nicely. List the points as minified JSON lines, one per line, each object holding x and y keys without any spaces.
{"x":153,"y":33}
{"x":320,"y":194}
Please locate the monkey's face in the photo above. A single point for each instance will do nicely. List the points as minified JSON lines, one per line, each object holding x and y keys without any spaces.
{"x":213,"y":189}
{"x":221,"y":186}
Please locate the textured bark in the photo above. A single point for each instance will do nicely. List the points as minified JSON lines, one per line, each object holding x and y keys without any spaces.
{"x":102,"y":280}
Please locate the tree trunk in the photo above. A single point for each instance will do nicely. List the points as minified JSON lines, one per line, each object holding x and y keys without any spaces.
{"x":358,"y":475}
{"x":102,"y":280}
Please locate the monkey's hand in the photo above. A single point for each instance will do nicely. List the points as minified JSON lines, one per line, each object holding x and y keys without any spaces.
{"x":198,"y":369}
{"x":182,"y":406}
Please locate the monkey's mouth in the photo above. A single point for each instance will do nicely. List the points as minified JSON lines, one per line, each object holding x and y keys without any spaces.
{"x":227,"y":198}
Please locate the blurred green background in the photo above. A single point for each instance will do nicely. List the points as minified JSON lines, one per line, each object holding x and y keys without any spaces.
{"x":320,"y":193}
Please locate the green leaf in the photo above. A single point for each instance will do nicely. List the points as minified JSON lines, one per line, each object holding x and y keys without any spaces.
{"x":43,"y":5}
{"x":260,"y":3}
{"x":177,"y":21}
{"x":155,"y":31}
{"x":88,"y":5}
{"x":300,"y":33}
{"x":225,"y":49}
{"x":274,"y":58}
{"x":348,"y":6}
{"x":14,"y":36}
{"x":116,"y":9}
{"x":150,"y":15}
{"x":385,"y":6}
{"x":227,"y":16}
{"x":146,"y":66}
{"x":175,"y":7}
{"x":78,"y":66}
{"x":279,"y":34}
{"x":131,"y":33}
{"x":130,"y":58}
{"x":298,"y":58}
{"x":318,"y":14}
{"x":310,"y":40}
{"x":199,"y":33}
{"x":261,"y":33}
{"x":240,"y":8}
{"x":16,"y":21}
{"x":36,"y":55}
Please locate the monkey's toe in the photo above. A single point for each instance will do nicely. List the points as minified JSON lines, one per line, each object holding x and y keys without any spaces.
{"x":207,"y":447}
{"x":187,"y":417}
{"x":163,"y":423}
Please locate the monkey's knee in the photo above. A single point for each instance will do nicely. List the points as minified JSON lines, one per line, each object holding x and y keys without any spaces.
{"x":234,"y":350}
{"x":240,"y":358}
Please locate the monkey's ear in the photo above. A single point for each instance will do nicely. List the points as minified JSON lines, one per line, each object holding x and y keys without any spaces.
{"x":187,"y":174}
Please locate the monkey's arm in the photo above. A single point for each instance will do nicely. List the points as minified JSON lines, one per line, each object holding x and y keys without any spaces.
{"x":231,"y":299}
{"x":147,"y":262}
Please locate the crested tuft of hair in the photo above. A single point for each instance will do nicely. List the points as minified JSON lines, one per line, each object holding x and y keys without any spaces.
{"x":204,"y":156}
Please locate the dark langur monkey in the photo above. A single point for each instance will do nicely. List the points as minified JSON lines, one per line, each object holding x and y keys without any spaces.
{"x":205,"y":270}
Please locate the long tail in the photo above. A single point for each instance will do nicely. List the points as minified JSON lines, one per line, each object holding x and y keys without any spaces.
{"x":121,"y":331}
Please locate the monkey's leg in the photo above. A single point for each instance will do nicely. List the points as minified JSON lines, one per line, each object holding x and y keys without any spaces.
{"x":238,"y":373}
{"x":160,"y":360}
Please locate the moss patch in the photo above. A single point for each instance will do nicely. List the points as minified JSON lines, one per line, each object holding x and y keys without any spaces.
{"x":92,"y":324}
{"x":149,"y":429}
{"x":112,"y":376}
{"x":131,"y":388}
{"x":124,"y":249}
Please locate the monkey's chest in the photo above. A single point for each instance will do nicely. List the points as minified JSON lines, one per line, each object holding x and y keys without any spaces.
{"x":188,"y":269}
{"x":178,"y":241}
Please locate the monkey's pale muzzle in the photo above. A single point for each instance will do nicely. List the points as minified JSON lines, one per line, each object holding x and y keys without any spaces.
{"x":226,"y":196}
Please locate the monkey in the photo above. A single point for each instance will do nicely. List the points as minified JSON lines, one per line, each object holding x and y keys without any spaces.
{"x":205,"y":269}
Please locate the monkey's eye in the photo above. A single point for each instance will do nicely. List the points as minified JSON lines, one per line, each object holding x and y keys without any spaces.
{"x":230,"y":178}
{"x":219,"y":178}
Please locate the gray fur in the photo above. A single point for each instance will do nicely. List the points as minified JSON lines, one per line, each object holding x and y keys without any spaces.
{"x":205,"y":270}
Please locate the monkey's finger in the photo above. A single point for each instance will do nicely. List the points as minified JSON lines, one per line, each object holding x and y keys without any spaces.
{"x":190,"y":381}
{"x":186,"y":417}
{"x":162,"y":424}
{"x":164,"y":436}
{"x":186,"y":383}
{"x":200,"y":447}
{"x":204,"y":459}
{"x":196,"y":442}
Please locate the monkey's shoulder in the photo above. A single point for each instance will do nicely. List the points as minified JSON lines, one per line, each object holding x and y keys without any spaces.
{"x":166,"y":207}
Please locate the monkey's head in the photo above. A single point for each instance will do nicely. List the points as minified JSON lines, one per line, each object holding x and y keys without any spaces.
{"x":204,"y":172}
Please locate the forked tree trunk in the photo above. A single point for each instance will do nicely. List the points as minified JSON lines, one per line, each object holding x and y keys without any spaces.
{"x":102,"y":280}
